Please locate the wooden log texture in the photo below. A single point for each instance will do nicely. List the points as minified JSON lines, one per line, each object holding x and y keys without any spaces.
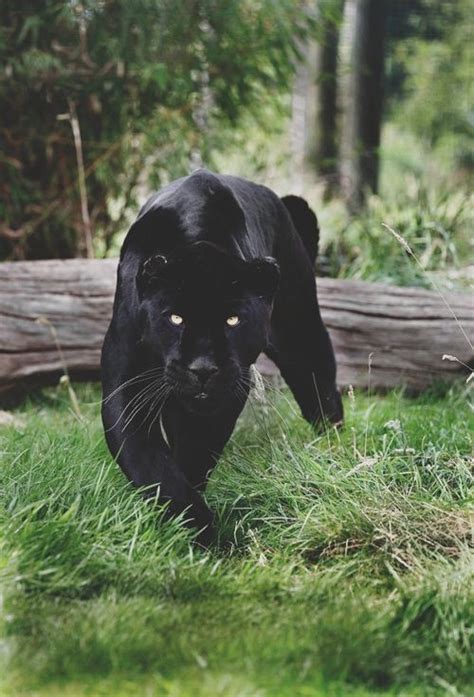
{"x":55,"y":313}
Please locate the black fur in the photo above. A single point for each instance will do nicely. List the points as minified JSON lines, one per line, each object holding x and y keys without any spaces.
{"x":305,"y":222}
{"x":207,"y":248}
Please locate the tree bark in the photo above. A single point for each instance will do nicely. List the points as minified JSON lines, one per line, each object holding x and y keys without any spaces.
{"x":54,"y":314}
{"x":302,"y":116}
{"x":363,"y":46}
{"x":324,"y":149}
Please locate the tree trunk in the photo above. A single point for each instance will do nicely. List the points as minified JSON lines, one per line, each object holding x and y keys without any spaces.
{"x":363,"y":40}
{"x":325,"y":139}
{"x":54,"y":314}
{"x":302,"y":110}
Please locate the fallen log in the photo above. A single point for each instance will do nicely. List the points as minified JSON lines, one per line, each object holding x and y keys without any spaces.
{"x":53,"y":316}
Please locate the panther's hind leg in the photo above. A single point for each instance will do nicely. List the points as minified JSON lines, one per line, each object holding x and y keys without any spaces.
{"x":302,"y":350}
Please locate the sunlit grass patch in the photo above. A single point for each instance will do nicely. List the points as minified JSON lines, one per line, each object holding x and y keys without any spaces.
{"x":342,"y":567}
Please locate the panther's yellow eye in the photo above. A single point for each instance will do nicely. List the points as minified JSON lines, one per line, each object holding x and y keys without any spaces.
{"x":176,"y":319}
{"x":233,"y":321}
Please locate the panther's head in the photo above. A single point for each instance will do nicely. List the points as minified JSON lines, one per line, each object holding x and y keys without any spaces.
{"x":205,"y":317}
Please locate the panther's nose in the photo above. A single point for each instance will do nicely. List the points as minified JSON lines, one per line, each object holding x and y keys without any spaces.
{"x":203,"y":369}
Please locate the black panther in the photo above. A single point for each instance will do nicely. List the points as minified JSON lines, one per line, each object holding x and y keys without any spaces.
{"x":215,"y":270}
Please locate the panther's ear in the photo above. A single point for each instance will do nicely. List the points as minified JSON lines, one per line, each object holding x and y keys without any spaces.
{"x":151,"y":272}
{"x":263,"y":275}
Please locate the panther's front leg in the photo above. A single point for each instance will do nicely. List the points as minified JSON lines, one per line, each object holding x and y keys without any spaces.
{"x":146,"y":460}
{"x":197,"y":440}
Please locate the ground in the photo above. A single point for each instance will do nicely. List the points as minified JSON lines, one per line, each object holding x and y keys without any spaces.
{"x":343,"y":565}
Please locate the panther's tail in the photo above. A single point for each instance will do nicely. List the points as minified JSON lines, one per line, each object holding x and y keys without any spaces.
{"x":305,"y":222}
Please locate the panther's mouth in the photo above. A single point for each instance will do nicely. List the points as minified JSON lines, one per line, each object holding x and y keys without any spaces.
{"x":203,"y":402}
{"x":203,"y":397}
{"x":203,"y":406}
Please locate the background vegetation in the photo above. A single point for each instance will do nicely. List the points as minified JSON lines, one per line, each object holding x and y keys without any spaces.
{"x":136,"y":76}
{"x":264,"y":89}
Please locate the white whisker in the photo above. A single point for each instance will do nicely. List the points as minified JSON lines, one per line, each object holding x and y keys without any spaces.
{"x":167,"y":393}
{"x":147,"y":374}
{"x":136,"y":398}
{"x":149,"y":395}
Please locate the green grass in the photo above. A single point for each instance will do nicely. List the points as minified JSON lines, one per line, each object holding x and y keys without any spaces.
{"x":342,"y":568}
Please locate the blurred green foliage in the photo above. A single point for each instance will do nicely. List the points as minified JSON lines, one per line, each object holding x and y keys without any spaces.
{"x":427,"y":157}
{"x":158,"y":85}
{"x":436,"y":225}
{"x":436,"y":99}
{"x":135,"y":72}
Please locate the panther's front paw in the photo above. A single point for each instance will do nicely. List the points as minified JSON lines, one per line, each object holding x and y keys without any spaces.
{"x":206,"y":536}
{"x":335,"y":412}
{"x":330,"y":412}
{"x":201,"y":517}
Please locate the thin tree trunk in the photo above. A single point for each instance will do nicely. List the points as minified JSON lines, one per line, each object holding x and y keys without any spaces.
{"x":86,"y":221}
{"x":302,"y":104}
{"x":364,"y":39}
{"x":325,"y":142}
